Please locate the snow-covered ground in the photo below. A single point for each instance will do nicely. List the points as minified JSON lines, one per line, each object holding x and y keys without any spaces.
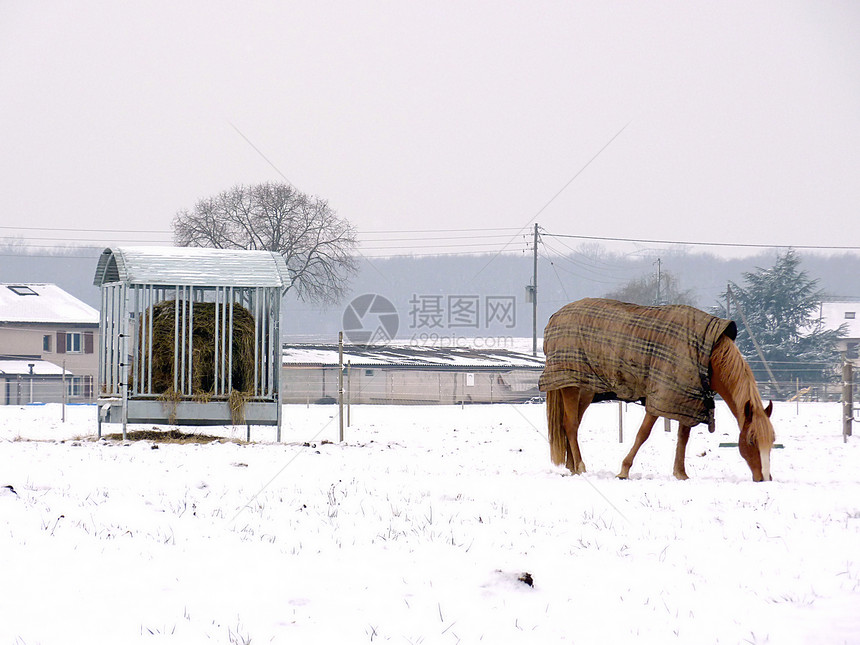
{"x":418,"y":528}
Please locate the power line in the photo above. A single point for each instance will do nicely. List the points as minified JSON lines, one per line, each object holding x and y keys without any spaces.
{"x":432,"y":246}
{"x":87,"y":240}
{"x":444,"y":230}
{"x":739,"y":245}
{"x":79,"y":230}
{"x":607,"y":271}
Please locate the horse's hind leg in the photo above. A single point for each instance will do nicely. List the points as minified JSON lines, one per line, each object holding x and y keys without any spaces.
{"x":575,"y":403}
{"x":641,"y":437}
{"x":681,"y":452}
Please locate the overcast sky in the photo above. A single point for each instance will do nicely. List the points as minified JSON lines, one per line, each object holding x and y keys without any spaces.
{"x":738,"y":121}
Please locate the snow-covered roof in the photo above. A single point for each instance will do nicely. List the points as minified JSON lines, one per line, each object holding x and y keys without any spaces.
{"x":393,"y":355}
{"x":42,"y":303}
{"x":846,"y":312}
{"x":170,"y":266}
{"x":22,"y":367}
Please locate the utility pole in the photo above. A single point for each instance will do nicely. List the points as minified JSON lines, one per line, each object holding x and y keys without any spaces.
{"x":534,"y":296}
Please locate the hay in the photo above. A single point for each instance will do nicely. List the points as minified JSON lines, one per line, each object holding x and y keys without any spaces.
{"x":169,"y":436}
{"x":202,"y":348}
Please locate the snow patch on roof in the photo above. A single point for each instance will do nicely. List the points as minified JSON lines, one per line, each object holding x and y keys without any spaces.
{"x":22,"y":367}
{"x":46,"y":304}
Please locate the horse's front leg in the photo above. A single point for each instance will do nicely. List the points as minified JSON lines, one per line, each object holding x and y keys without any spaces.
{"x":681,"y":452}
{"x":641,"y":437}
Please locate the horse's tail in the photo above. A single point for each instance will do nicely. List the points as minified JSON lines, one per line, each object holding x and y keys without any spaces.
{"x":555,"y":427}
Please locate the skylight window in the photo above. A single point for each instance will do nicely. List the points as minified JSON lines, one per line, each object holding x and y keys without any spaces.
{"x":850,"y":315}
{"x":21,"y":290}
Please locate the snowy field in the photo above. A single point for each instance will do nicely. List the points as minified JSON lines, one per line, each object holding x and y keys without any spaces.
{"x":419,"y":529}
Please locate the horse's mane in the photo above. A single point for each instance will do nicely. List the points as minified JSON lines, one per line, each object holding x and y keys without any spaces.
{"x":738,"y":377}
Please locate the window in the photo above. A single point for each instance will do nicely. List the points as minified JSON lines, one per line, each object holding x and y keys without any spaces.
{"x":850,"y":315}
{"x":74,"y":386}
{"x":73,"y":342}
{"x":46,"y":343}
{"x":21,"y":290}
{"x":79,"y":386}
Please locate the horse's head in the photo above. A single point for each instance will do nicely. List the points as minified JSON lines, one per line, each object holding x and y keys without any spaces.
{"x":756,"y":440}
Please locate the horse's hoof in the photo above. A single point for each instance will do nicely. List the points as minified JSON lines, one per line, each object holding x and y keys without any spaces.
{"x":681,"y":476}
{"x":621,"y":476}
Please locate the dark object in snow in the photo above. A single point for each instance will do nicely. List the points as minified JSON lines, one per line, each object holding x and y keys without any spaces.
{"x":526,"y":578}
{"x":167,"y":436}
{"x":10,"y":489}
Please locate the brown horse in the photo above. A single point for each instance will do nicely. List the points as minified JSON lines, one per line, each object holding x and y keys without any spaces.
{"x":728,"y":374}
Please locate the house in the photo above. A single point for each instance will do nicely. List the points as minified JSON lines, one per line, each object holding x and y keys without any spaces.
{"x":408,"y":374}
{"x":30,"y":380}
{"x":46,"y":336}
{"x":836,"y":313}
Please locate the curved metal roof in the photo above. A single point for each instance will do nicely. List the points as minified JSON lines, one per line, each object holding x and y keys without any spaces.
{"x":192,"y":266}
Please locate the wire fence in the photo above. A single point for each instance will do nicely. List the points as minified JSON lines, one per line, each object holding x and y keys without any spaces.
{"x":25,"y":390}
{"x":399,"y":386}
{"x":387,"y":385}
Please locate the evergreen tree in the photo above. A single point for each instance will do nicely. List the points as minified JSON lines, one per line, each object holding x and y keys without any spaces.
{"x":781,"y":305}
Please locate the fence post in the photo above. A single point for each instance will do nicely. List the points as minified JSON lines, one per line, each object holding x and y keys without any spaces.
{"x":348,"y":393}
{"x":847,"y":398}
{"x":340,"y":386}
{"x":620,"y":422}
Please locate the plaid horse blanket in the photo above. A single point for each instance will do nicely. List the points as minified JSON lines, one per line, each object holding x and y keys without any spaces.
{"x":659,"y":356}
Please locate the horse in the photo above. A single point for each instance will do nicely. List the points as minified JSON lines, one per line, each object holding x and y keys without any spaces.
{"x":573,"y":379}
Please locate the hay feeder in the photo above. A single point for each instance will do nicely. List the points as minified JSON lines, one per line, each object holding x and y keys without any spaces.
{"x":190,"y":336}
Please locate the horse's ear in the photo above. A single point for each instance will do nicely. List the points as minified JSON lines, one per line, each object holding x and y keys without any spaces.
{"x":769,"y":408}
{"x":748,"y":412}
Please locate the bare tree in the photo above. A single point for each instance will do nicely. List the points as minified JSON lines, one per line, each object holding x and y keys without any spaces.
{"x":317,"y":244}
{"x":644,"y":290}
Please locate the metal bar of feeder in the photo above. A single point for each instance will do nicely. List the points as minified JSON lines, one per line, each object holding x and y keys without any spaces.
{"x":224,"y":344}
{"x":101,"y":339}
{"x":176,"y":341}
{"x":135,"y":340}
{"x":151,"y":315}
{"x":191,"y":341}
{"x":230,"y":348}
{"x":267,"y":324}
{"x":124,"y":361}
{"x":217,"y":339}
{"x":117,"y":332}
{"x":257,"y":372}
